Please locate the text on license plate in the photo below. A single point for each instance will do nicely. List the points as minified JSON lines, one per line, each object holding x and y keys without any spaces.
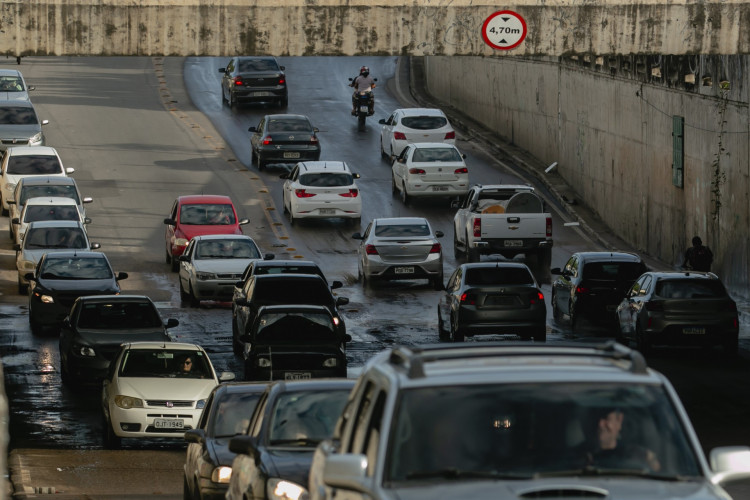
{"x":169,"y":423}
{"x":327,"y":211}
{"x":440,"y":188}
{"x":403,"y":270}
{"x":297,"y":375}
{"x":513,"y":243}
{"x":291,"y":155}
{"x":694,"y":330}
{"x":364,"y":109}
{"x":261,"y":94}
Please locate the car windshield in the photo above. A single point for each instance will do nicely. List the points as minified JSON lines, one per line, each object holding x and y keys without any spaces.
{"x":295,"y":328}
{"x":250,"y":65}
{"x":232,"y":414}
{"x":49,"y":190}
{"x":326,"y":180}
{"x":164,"y":363}
{"x":16,"y":115}
{"x":54,"y":237}
{"x":305,"y":418}
{"x":11,"y":84}
{"x":50,"y":212}
{"x":34,"y":165}
{"x":289,"y":125}
{"x":402,"y":230}
{"x":613,"y":271}
{"x":226,"y":249}
{"x":118,"y":315}
{"x":477,"y":276}
{"x":424,"y":122}
{"x":78,"y":268}
{"x":294,"y":291}
{"x":535,"y":430}
{"x":436,"y":155}
{"x":690,"y":289}
{"x":207,"y":214}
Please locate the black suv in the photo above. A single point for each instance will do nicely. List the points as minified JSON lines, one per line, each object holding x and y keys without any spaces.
{"x":253,"y":79}
{"x":592,"y":284}
{"x":281,"y":289}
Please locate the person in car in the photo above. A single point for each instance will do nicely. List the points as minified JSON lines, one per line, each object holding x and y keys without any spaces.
{"x":219,"y":217}
{"x":605,"y":448}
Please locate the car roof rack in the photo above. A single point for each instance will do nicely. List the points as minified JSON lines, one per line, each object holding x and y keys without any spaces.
{"x":413,"y":358}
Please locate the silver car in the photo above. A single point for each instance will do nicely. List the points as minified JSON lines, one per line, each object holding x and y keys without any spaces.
{"x":400,"y":248}
{"x":12,"y":86}
{"x":212,"y":264}
{"x":20,"y":125}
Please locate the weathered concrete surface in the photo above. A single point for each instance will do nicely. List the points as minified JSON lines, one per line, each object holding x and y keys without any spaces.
{"x":611,"y":134}
{"x":378,"y":27}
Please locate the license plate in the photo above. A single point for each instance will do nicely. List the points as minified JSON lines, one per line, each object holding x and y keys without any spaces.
{"x":404,"y":270}
{"x":513,"y":243}
{"x":499,"y":300}
{"x":694,"y":331}
{"x":297,"y":376}
{"x":261,"y":94}
{"x":169,"y":423}
{"x":440,"y":188}
{"x":327,"y":211}
{"x":291,"y":155}
{"x":364,"y":109}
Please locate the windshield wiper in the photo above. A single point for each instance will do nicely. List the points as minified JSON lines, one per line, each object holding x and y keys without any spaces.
{"x":599,"y":471}
{"x":453,"y":473}
{"x":296,"y":441}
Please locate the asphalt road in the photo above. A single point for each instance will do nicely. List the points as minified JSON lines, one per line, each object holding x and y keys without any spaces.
{"x":139,"y":135}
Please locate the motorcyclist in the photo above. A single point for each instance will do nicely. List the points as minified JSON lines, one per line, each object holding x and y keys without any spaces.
{"x":364,"y":82}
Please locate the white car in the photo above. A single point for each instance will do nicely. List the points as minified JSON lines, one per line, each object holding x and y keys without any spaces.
{"x":321,"y":189}
{"x":212,"y":265}
{"x":156,"y":390}
{"x":429,"y":169}
{"x":410,"y":125}
{"x":52,"y":208}
{"x":45,"y":237}
{"x":24,"y":161}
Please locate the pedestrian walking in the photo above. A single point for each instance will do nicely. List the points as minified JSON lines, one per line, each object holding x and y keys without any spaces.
{"x":698,"y":257}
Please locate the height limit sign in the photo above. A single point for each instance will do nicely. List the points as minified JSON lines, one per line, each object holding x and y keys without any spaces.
{"x":504,"y":30}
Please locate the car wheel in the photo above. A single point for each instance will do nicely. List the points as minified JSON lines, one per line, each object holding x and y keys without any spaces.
{"x":186,"y":495}
{"x":457,"y":333}
{"x":111,"y":440}
{"x":457,"y":252}
{"x":394,"y":189}
{"x":291,"y":218}
{"x":383,"y":154}
{"x":405,"y":199}
{"x":4,"y":210}
{"x":472,"y":254}
{"x":575,"y":319}
{"x":283,"y":103}
{"x":540,"y":334}
{"x":437,"y":282}
{"x":642,"y":343}
{"x":65,"y":376}
{"x":221,"y":93}
{"x":731,"y":347}
{"x":260,"y":162}
{"x":556,"y":314}
{"x":175,"y":264}
{"x":232,"y":101}
{"x":184,"y":296}
{"x":23,"y":289}
{"x":236,"y":346}
{"x":10,"y":232}
{"x":36,"y":328}
{"x":194,"y":301}
{"x":443,"y":334}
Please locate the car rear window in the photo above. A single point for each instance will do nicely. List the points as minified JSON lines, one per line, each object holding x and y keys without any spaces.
{"x":250,"y":65}
{"x":284,"y":269}
{"x":289,"y":125}
{"x":49,"y":190}
{"x":498,"y":276}
{"x":57,"y":237}
{"x":298,"y":327}
{"x":436,"y":154}
{"x":232,"y":414}
{"x":326,"y":179}
{"x":690,"y":289}
{"x":79,"y":268}
{"x":13,"y":115}
{"x":50,"y":212}
{"x":399,"y":230}
{"x":118,"y":315}
{"x":292,"y":291}
{"x":207,"y":214}
{"x":613,"y":271}
{"x":34,"y":165}
{"x":424,"y":122}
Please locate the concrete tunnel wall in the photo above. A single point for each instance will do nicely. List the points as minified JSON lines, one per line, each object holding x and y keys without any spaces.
{"x":611,"y":134}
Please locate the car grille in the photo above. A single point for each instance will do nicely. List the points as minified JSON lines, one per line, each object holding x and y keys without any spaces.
{"x":229,"y":276}
{"x":166,"y":403}
{"x":15,"y":142}
{"x":151,"y":428}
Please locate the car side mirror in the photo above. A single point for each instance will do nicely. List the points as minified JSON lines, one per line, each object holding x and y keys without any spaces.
{"x":170,"y":222}
{"x":87,"y":199}
{"x":375,"y":79}
{"x":15,"y":220}
{"x":66,"y":322}
{"x":197,"y":436}
{"x":351,"y":79}
{"x":69,"y":170}
{"x":439,"y":234}
{"x":555,"y":270}
{"x":381,"y":121}
{"x":121,"y":276}
{"x":357,"y":236}
{"x":285,"y":175}
{"x":347,"y":338}
{"x":243,"y":445}
{"x":252,"y":129}
{"x":16,"y":247}
{"x":336,"y":284}
{"x":401,"y":159}
{"x":356,"y":176}
{"x":244,"y":221}
{"x":95,"y":246}
{"x":222,"y":70}
{"x":269,"y":256}
{"x":183,"y":258}
{"x":282,"y":68}
{"x":86,"y":220}
{"x":342,"y":301}
{"x":242,"y":302}
{"x":455,"y":203}
{"x":172,"y":322}
{"x":316,"y":130}
{"x":226,"y":377}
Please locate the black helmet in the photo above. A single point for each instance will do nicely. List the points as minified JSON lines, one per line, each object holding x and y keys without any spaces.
{"x":363,"y":70}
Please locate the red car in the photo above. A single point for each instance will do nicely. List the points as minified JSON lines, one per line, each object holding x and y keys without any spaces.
{"x":197,"y":215}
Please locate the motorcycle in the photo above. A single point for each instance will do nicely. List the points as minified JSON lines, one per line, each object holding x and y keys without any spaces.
{"x":364,"y":105}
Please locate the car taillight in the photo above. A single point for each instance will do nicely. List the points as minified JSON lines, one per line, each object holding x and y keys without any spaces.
{"x":450,"y":135}
{"x":399,"y":136}
{"x":282,"y":81}
{"x":732,"y":306}
{"x":539,"y":298}
{"x":655,"y":305}
{"x":238,"y":80}
{"x":469,"y":298}
{"x":463,"y":170}
{"x":417,"y":171}
{"x":353,"y":193}
{"x":477,"y":227}
{"x":371,"y":250}
{"x":267,"y":140}
{"x":435,"y":248}
{"x":549,"y":227}
{"x":314,"y":139}
{"x":582,"y":290}
{"x":302,"y":193}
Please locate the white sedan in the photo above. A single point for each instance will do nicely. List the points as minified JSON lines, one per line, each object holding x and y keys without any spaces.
{"x":51,"y":208}
{"x":156,"y":390}
{"x":410,"y":125}
{"x":430,"y":170}
{"x":212,"y":264}
{"x":24,"y":161}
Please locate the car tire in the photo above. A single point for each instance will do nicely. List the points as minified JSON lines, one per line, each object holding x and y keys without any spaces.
{"x":65,"y":376}
{"x":443,"y":334}
{"x":283,"y":103}
{"x":10,"y":233}
{"x":457,"y":252}
{"x":236,"y":346}
{"x":36,"y":328}
{"x":642,"y":343}
{"x":472,"y":254}
{"x":291,"y":218}
{"x":111,"y":440}
{"x":457,"y":333}
{"x":394,"y":189}
{"x":184,"y":296}
{"x":221,"y":93}
{"x":260,"y":163}
{"x":575,"y":319}
{"x":405,"y":199}
{"x":437,"y":282}
{"x":193,"y":301}
{"x":22,"y":288}
{"x":383,"y":154}
{"x":174,"y":263}
{"x":556,"y":313}
{"x":3,"y":209}
{"x":232,"y":101}
{"x":186,"y":495}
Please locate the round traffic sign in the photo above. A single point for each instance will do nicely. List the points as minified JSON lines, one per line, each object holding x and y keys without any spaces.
{"x":504,"y":30}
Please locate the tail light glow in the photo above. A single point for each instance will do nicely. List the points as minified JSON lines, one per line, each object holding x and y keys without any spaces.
{"x":450,"y":135}
{"x":538,"y":298}
{"x":477,"y":227}
{"x":436,"y":248}
{"x":549,"y":227}
{"x":469,"y":299}
{"x":582,"y":290}
{"x":371,"y":250}
{"x":238,"y":81}
{"x":399,"y":136}
{"x":353,"y":193}
{"x":417,"y":171}
{"x":463,"y":170}
{"x":267,"y":140}
{"x":302,"y":193}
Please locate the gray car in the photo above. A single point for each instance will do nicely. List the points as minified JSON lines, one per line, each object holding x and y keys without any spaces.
{"x":400,"y":248}
{"x":20,"y":125}
{"x":12,"y":86}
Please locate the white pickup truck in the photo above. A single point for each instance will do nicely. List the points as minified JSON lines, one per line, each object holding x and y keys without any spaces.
{"x":502,"y":219}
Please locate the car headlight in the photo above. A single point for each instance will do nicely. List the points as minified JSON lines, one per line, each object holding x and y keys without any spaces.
{"x":36,"y":138}
{"x":281,"y":489}
{"x":127,"y":402}
{"x":10,"y":186}
{"x":205,"y":276}
{"x":46,"y":299}
{"x":180,"y":242}
{"x":28,"y":265}
{"x":83,"y":350}
{"x":263,"y":363}
{"x":331,"y":363}
{"x":200,"y":404}
{"x":221,"y":474}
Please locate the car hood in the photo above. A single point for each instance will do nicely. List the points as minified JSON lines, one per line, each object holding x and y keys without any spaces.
{"x":35,"y":255}
{"x":191,"y":231}
{"x":102,"y":337}
{"x":86,"y":287}
{"x":218,"y":451}
{"x":630,"y":488}
{"x":291,"y":465}
{"x":165,"y":388}
{"x":19,"y":131}
{"x":233,"y":266}
{"x":311,"y":348}
{"x":14,"y":96}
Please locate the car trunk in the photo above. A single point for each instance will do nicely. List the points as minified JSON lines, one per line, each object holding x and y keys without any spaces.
{"x":397,"y":250}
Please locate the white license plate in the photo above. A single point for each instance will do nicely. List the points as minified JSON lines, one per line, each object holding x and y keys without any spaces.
{"x":291,"y":155}
{"x":261,"y":94}
{"x":327,"y":211}
{"x":404,"y":270}
{"x":169,"y":423}
{"x":513,"y":243}
{"x":297,"y":376}
{"x":440,"y":188}
{"x":364,"y":109}
{"x":694,"y":331}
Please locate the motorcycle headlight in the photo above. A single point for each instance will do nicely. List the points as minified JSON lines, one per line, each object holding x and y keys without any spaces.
{"x":281,"y":489}
{"x":127,"y":402}
{"x":221,"y":474}
{"x":84,"y":350}
{"x":205,"y":276}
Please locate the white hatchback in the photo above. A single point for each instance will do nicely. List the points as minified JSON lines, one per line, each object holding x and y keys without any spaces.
{"x":430,"y":170}
{"x":321,"y":189}
{"x":24,"y":161}
{"x":156,"y":390}
{"x":49,"y":208}
{"x":410,"y":125}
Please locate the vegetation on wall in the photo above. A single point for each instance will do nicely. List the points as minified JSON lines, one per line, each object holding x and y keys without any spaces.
{"x":718,"y":174}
